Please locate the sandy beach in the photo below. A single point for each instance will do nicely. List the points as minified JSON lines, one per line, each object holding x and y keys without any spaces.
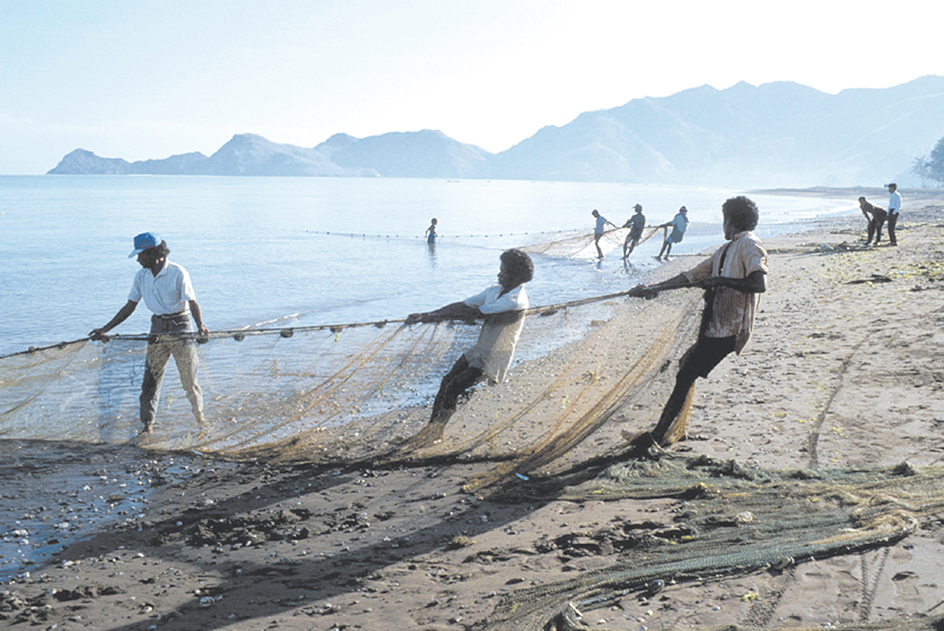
{"x":845,"y":370}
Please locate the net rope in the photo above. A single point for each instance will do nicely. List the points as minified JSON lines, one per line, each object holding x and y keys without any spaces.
{"x":353,"y":392}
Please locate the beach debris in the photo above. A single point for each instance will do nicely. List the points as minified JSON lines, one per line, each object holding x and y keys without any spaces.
{"x":781,"y":563}
{"x":655,"y":586}
{"x":874,"y":278}
{"x":460,"y":541}
{"x":905,"y":468}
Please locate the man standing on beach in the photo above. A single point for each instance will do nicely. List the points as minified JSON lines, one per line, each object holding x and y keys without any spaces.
{"x":733,"y":279}
{"x":167,"y":292}
{"x":894,"y":207}
{"x":502,"y":306}
{"x":598,"y":230}
{"x":678,"y":224}
{"x":636,"y":223}
{"x":876,"y":218}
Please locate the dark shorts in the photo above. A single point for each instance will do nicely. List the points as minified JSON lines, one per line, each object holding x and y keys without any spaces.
{"x":707,"y":353}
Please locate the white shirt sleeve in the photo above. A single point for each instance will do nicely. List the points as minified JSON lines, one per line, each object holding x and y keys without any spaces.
{"x":489,"y":301}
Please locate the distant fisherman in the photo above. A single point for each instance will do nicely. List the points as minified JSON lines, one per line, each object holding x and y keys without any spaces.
{"x":431,"y":232}
{"x":876,"y":218}
{"x":733,"y":278}
{"x":598,"y":227}
{"x":636,"y":224}
{"x":894,"y":207}
{"x":678,"y":224}
{"x":167,"y":292}
{"x":502,"y":306}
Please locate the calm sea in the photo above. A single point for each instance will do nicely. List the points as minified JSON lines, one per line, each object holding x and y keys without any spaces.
{"x":319,"y":250}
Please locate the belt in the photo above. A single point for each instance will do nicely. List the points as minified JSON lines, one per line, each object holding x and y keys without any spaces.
{"x":171,"y":316}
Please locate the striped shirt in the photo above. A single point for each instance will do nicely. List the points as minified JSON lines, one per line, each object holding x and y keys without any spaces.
{"x":733,"y":311}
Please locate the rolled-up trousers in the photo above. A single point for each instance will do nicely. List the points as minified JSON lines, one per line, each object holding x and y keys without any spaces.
{"x":164,"y":343}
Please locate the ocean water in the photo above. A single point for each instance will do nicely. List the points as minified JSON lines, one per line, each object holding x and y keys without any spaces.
{"x":321,"y":250}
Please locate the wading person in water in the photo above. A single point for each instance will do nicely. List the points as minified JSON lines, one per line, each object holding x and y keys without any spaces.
{"x":502,"y":306}
{"x":167,"y":292}
{"x":733,"y":279}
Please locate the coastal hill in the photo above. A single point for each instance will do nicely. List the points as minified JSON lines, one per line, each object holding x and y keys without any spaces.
{"x":776,"y":134}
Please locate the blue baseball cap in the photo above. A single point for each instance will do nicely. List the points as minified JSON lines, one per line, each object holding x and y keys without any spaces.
{"x":144,"y":241}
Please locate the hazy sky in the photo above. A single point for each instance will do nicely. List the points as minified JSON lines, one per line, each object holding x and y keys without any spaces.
{"x":148,"y":79}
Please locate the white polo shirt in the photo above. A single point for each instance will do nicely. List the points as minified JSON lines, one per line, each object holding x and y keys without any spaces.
{"x":165,"y":294}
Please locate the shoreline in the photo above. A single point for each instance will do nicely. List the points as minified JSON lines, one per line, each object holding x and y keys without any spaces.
{"x":837,"y":375}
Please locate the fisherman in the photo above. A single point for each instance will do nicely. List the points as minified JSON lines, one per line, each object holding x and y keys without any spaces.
{"x":502,"y":306}
{"x":876,"y":218}
{"x":431,"y":232}
{"x":894,"y":207}
{"x":678,"y":224}
{"x":598,"y":230}
{"x":733,"y":279}
{"x":168,"y":293}
{"x":636,"y":224}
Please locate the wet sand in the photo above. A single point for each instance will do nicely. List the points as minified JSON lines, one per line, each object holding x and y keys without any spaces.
{"x":844,"y":370}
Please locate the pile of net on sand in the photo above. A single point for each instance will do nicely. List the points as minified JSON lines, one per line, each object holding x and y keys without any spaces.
{"x":735,"y":520}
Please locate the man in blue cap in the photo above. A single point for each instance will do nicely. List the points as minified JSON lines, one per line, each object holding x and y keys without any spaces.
{"x":167,"y":292}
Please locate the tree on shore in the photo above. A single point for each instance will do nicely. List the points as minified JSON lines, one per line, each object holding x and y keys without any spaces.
{"x":936,"y":163}
{"x":922,"y":168}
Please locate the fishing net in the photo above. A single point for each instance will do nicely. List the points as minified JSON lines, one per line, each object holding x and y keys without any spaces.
{"x":735,"y":520}
{"x":580,"y":245}
{"x":355,"y":393}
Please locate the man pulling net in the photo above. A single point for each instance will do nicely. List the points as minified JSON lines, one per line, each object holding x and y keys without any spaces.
{"x":733,"y":279}
{"x":503,"y":307}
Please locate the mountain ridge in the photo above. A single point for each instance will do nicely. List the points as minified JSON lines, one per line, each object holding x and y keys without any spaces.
{"x":777,"y":134}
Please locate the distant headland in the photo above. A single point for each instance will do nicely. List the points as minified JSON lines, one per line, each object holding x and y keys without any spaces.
{"x":775,"y":135}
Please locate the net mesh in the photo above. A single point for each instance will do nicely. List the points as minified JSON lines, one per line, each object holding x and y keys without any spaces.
{"x":354,"y":393}
{"x":581,"y":245}
{"x":736,"y":520}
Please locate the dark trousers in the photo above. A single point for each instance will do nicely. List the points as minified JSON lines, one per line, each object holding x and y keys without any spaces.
{"x":165,"y":343}
{"x":875,"y":229}
{"x":460,"y":378}
{"x":698,"y":361}
{"x":892,"y":222}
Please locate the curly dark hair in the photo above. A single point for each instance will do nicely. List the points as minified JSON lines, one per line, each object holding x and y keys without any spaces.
{"x":519,"y":265}
{"x":158,"y":251}
{"x":742,"y":212}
